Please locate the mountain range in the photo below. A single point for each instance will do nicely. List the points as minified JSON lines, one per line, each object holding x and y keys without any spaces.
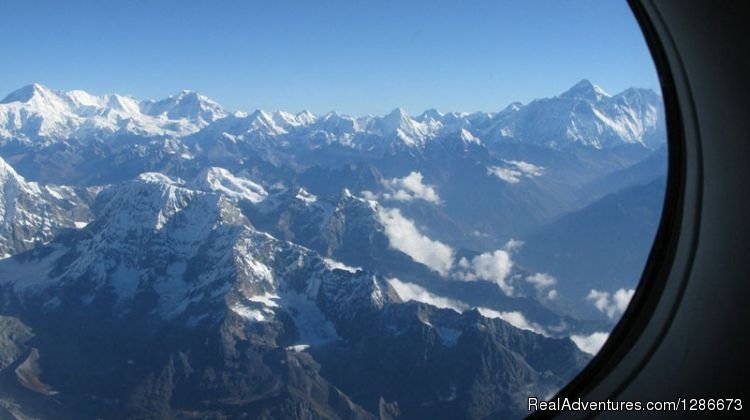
{"x":170,"y":258}
{"x":584,"y":115}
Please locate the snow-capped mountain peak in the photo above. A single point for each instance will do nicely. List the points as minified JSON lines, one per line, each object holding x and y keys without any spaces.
{"x":585,"y":90}
{"x":148,"y":202}
{"x":398,"y":118}
{"x":185,"y":105}
{"x":512,"y":107}
{"x":222,"y":181}
{"x":38,"y":114}
{"x":29,"y":93}
{"x":337,"y":124}
{"x":159,"y":178}
{"x":31,"y":214}
{"x":306,"y":117}
{"x":82,"y":99}
{"x":264,"y":122}
{"x":33,"y":99}
{"x":398,"y":122}
{"x":431,"y":114}
{"x":124,"y":104}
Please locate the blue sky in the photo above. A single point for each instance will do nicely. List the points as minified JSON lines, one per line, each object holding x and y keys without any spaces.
{"x":355,"y":57}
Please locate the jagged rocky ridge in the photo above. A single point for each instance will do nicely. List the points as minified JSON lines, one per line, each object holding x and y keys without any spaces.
{"x":192,"y":311}
{"x":32,"y":214}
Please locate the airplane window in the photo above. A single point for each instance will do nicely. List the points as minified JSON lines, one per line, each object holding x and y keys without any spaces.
{"x":357,"y":210}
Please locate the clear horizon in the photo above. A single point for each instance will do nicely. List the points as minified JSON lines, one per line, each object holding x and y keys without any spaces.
{"x":356,"y":58}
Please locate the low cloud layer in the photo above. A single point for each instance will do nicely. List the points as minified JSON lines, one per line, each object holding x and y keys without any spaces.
{"x":543,"y":283}
{"x":404,"y":236}
{"x":612,"y":305}
{"x":408,"y":188}
{"x":497,"y":266}
{"x":591,"y":344}
{"x":494,"y":266}
{"x":489,"y":266}
{"x":410,"y":291}
{"x":514,"y":318}
{"x":513,"y":171}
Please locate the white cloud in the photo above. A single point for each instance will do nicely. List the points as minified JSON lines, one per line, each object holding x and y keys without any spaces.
{"x":410,"y":188}
{"x":514,"y":318}
{"x":611,"y":304}
{"x":590,"y":343}
{"x":541,"y":281}
{"x":411,"y":291}
{"x":404,"y":236}
{"x":508,"y":175}
{"x":599,"y":299}
{"x":369,"y":195}
{"x":622,"y":298}
{"x":528,"y":169}
{"x":495,"y":267}
{"x":513,"y":245}
{"x":333,"y":265}
{"x":514,"y":170}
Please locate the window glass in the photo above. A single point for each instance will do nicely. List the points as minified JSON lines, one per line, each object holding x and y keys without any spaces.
{"x":357,"y":210}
